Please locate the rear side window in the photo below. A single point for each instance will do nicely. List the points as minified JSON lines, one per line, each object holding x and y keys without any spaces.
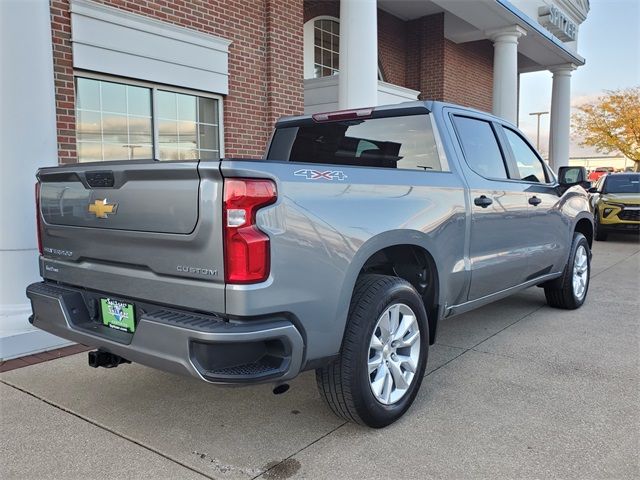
{"x":480,"y":147}
{"x":405,"y":142}
{"x":529,"y":165}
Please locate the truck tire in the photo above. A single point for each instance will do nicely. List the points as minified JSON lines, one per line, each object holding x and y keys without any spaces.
{"x":601,"y":234}
{"x":570,"y":290}
{"x":384,"y":353}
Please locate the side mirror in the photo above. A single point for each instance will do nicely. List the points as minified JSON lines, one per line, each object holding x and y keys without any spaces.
{"x":572,"y":175}
{"x":593,"y":190}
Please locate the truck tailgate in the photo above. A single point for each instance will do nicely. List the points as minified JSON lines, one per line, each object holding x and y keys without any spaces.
{"x":149,"y":230}
{"x":160,"y":198}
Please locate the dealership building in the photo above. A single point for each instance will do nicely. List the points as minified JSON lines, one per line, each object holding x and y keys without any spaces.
{"x":89,"y":80}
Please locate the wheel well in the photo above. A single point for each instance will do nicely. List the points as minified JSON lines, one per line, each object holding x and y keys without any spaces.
{"x":585,"y":227}
{"x":415,"y":265}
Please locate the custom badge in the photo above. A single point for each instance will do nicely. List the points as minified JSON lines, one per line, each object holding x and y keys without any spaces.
{"x":102,"y":208}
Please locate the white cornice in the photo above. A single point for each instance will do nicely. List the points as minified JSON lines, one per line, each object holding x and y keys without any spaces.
{"x":136,"y":21}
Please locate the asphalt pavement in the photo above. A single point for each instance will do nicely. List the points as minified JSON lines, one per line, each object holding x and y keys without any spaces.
{"x":513,"y":390}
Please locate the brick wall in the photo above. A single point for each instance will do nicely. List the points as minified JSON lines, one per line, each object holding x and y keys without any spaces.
{"x":63,"y":74}
{"x":316,"y":8}
{"x":468,"y":74}
{"x":425,"y":56}
{"x":285,"y":90}
{"x":265,"y":63}
{"x":392,"y":48}
{"x":443,"y":70}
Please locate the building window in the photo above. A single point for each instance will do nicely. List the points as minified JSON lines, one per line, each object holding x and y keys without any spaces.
{"x":117,"y":121}
{"x":322,"y":48}
{"x":326,"y":47}
{"x":187,"y":127}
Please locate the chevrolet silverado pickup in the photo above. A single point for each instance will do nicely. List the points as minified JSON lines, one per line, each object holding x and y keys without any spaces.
{"x":340,"y":251}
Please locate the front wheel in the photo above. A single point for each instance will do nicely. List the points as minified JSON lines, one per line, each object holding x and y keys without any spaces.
{"x":570,"y":291}
{"x":384,"y":353}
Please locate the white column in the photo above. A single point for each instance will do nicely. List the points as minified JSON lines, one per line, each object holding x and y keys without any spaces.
{"x":505,"y":71}
{"x":358,"y":77}
{"x":27,"y":141}
{"x":560,"y":120}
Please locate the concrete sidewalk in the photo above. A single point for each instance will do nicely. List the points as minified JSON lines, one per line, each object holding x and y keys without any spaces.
{"x":513,"y":390}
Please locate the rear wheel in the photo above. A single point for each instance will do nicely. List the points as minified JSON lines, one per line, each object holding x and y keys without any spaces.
{"x":570,"y":290}
{"x":384,"y":353}
{"x":600,"y":234}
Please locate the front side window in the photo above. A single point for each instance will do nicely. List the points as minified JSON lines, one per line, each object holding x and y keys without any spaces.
{"x":480,"y":147}
{"x":529,"y":165}
{"x":116,"y":121}
{"x":405,"y":142}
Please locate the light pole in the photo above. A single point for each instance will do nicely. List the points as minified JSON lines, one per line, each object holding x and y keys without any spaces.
{"x":538,"y":114}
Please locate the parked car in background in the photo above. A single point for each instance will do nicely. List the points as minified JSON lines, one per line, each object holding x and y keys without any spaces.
{"x":615,"y":201}
{"x":595,"y":175}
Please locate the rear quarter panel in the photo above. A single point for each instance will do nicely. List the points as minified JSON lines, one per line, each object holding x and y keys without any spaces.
{"x":323,"y":231}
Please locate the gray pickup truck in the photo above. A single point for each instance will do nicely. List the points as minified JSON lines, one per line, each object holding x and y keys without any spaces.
{"x":339,"y":251}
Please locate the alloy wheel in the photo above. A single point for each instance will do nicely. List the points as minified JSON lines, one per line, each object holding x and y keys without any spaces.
{"x":394,"y":353}
{"x":580,"y":272}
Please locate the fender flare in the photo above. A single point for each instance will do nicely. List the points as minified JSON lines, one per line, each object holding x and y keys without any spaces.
{"x":370,"y":247}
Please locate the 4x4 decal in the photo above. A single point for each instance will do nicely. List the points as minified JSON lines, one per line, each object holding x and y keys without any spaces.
{"x":317,"y":175}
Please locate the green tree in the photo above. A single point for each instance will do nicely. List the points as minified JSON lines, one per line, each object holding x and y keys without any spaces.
{"x":611,"y":123}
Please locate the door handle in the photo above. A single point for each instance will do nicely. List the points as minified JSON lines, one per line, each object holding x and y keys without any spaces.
{"x":535,"y":201}
{"x":482,"y":201}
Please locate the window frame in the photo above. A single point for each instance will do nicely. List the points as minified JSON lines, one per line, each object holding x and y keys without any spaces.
{"x":308,"y":39}
{"x":513,"y":163}
{"x":336,"y":71}
{"x":496,"y":134}
{"x":154,"y":87}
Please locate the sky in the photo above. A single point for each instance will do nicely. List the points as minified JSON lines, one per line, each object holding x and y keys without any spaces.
{"x":609,"y":40}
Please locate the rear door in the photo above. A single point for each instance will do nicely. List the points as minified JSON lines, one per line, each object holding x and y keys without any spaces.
{"x":144,"y":229}
{"x":498,"y":209}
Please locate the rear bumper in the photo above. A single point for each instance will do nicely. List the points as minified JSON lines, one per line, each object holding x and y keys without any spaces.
{"x":207,"y":347}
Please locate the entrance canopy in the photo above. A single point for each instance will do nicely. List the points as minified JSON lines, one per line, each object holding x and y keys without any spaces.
{"x":550,"y":31}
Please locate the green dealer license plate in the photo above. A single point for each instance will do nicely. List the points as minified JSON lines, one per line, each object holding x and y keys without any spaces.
{"x":118,"y":315}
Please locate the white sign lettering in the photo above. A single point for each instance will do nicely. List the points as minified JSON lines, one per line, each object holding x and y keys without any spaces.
{"x":558,"y":23}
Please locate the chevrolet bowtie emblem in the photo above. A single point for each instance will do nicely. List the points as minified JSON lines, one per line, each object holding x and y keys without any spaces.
{"x":101,"y":208}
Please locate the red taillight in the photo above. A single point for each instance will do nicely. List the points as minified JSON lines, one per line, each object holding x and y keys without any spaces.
{"x":246,"y":248}
{"x":38,"y":220}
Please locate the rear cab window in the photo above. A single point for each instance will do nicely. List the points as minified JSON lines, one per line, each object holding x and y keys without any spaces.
{"x":401,"y":142}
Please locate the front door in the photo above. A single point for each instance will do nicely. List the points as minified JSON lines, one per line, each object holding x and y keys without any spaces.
{"x":547,"y":235}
